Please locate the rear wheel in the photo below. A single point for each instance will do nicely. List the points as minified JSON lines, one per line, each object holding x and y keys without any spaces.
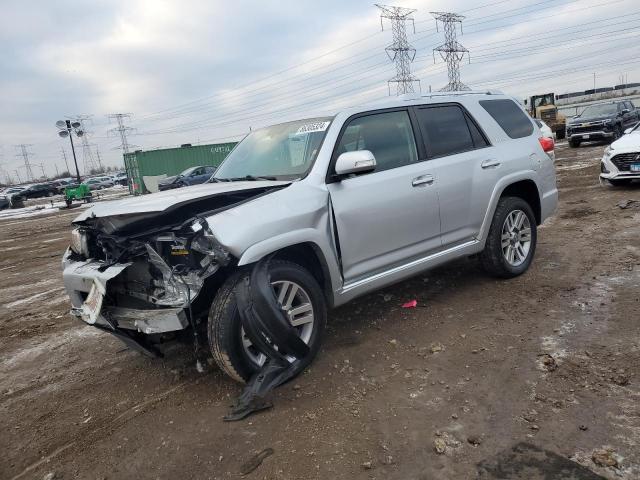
{"x":298,"y":294}
{"x":620,"y":182}
{"x":511,"y":243}
{"x":574,"y":143}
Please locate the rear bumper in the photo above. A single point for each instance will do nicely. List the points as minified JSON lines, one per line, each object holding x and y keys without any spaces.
{"x":79,"y":279}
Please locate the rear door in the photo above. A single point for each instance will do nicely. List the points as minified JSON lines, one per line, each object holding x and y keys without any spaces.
{"x":390,"y":216}
{"x":464,"y":164}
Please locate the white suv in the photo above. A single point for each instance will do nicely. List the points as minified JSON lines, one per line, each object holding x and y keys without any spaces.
{"x":309,"y":214}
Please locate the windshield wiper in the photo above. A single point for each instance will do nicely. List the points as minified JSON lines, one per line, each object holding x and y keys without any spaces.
{"x":251,"y":178}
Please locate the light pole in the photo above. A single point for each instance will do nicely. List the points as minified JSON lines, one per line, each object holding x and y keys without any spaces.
{"x":67,"y":127}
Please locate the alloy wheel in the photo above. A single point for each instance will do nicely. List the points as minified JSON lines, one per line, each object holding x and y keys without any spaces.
{"x":516,"y":238}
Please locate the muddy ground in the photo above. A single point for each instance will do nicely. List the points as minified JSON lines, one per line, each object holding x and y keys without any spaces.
{"x":525,"y":378}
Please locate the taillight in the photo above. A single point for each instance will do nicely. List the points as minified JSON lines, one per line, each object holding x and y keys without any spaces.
{"x":547,"y":144}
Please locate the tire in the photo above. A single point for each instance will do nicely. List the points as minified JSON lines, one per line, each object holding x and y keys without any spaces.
{"x":493,"y":258}
{"x":225,"y":327}
{"x":620,"y":182}
{"x":617,"y":133}
{"x":574,"y":143}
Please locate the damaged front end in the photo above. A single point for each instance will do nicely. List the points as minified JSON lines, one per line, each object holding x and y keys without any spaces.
{"x":141,"y":284}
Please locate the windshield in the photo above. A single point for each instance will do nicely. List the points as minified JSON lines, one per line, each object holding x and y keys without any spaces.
{"x":283,"y":152}
{"x":600,"y":110}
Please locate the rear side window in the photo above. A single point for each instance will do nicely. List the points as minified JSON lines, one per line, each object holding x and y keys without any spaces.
{"x":448,"y":130}
{"x":509,"y":116}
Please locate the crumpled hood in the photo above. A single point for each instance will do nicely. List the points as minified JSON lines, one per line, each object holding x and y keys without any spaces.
{"x":161,"y":201}
{"x":629,"y":142}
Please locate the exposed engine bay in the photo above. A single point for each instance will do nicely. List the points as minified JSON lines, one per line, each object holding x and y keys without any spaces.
{"x":143,"y":272}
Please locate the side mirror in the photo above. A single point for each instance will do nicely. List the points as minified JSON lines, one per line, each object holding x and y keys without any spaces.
{"x":625,"y":111}
{"x":360,"y":161}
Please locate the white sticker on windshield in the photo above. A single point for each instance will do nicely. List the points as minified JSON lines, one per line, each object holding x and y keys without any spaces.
{"x":313,"y":127}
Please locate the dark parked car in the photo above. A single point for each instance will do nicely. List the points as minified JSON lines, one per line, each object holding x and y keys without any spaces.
{"x":602,"y":121}
{"x":191,"y":176}
{"x":39,"y":190}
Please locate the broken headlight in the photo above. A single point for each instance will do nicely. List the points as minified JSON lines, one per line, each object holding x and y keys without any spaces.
{"x":79,"y":243}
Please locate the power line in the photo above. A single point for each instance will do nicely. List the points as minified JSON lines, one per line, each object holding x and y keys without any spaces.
{"x":451,"y":51}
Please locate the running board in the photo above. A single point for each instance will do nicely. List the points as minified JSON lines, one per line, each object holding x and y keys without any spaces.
{"x":394,"y":274}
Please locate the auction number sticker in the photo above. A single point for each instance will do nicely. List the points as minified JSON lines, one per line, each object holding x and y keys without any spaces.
{"x":312,"y":127}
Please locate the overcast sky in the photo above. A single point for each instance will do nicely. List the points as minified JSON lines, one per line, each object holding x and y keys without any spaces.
{"x":193,"y":71}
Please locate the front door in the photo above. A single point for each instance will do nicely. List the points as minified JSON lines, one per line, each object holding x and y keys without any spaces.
{"x":390,"y":216}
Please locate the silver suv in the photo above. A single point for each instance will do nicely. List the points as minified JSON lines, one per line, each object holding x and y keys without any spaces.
{"x":331,"y":208}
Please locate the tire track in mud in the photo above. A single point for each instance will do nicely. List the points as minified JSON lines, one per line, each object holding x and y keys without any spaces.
{"x":102,"y":429}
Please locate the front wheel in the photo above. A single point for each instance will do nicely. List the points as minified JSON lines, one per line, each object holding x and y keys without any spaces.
{"x":298,"y":293}
{"x":511,"y":243}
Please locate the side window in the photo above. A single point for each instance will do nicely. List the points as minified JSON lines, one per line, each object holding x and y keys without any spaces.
{"x":448,"y":130}
{"x":509,"y":116}
{"x":478,"y":139}
{"x":387,"y":135}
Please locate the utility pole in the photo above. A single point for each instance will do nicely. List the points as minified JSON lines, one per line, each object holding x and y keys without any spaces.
{"x":400,"y":51}
{"x":594,"y":81}
{"x":24,"y":154}
{"x":451,"y":51}
{"x":66,"y":128}
{"x":121,"y":129}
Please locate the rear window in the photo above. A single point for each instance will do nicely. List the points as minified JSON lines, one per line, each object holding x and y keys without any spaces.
{"x":509,"y":116}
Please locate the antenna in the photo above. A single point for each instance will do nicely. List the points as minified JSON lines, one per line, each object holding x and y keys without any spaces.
{"x":451,"y":51}
{"x":400,"y":51}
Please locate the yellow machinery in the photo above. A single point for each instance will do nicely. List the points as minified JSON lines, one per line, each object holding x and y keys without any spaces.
{"x":543,"y":107}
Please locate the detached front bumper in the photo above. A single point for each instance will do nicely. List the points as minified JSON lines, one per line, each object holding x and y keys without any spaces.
{"x":87,"y":286}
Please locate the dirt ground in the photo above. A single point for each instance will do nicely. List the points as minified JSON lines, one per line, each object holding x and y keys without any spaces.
{"x":535,"y":377}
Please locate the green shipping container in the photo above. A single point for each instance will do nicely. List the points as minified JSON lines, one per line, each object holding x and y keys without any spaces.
{"x":170,"y":162}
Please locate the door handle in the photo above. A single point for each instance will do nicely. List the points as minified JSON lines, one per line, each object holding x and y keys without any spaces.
{"x":490,"y":163}
{"x":422,"y":180}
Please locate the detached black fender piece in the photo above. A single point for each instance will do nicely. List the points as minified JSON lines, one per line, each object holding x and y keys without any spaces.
{"x":268,"y":327}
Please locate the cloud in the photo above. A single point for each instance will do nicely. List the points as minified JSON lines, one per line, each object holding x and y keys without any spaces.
{"x":204,"y":69}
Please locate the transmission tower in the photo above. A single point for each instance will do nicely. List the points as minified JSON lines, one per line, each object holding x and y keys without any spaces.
{"x":24,"y":154}
{"x":121,"y":129}
{"x":99,"y":160}
{"x":451,"y":51}
{"x":87,"y":155}
{"x":64,"y":156}
{"x":400,"y":51}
